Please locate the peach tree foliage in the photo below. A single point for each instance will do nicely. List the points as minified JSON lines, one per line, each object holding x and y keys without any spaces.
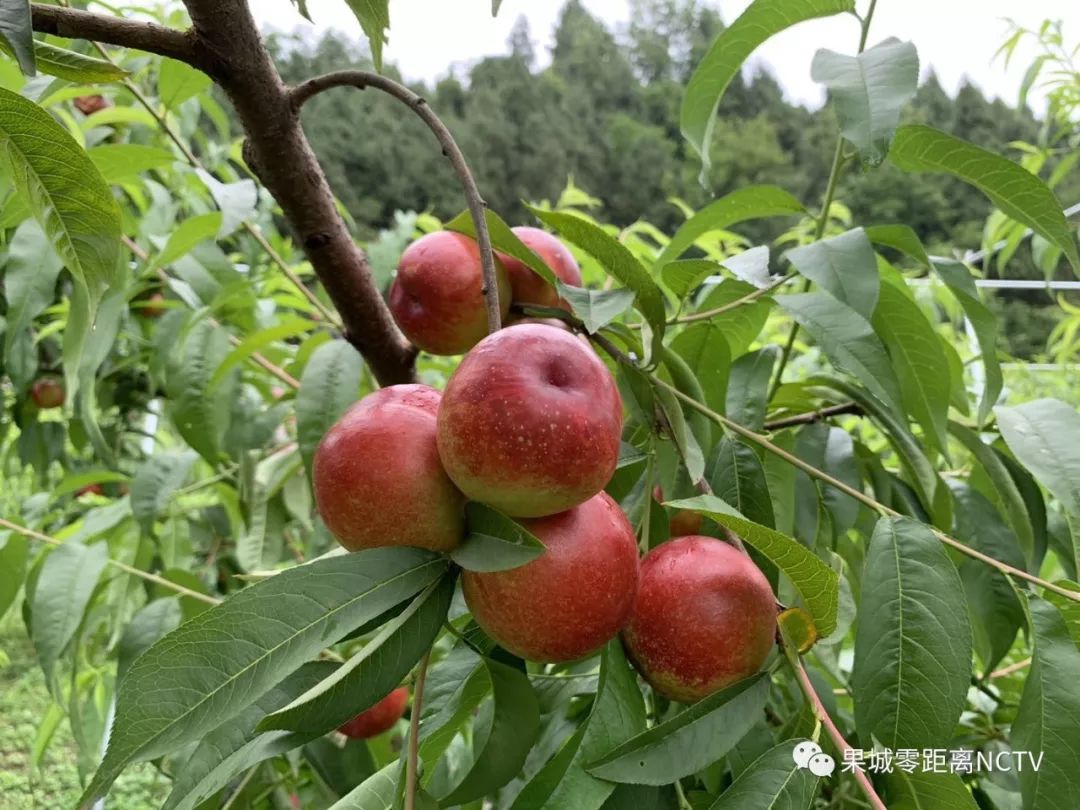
{"x":210,"y":317}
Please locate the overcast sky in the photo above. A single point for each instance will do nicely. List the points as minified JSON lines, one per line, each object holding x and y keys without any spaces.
{"x":957,"y":38}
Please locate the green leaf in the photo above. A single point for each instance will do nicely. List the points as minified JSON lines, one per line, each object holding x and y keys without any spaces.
{"x":60,"y":598}
{"x":67,"y":195}
{"x":995,"y":607}
{"x":687,"y":444}
{"x":504,"y":240}
{"x":683,"y":276}
{"x":761,"y":20}
{"x":748,"y":387}
{"x":1020,"y":194}
{"x":374,"y":19}
{"x":816,"y":582}
{"x":902,"y":238}
{"x":848,"y":339}
{"x":958,"y":280}
{"x":269,"y":477}
{"x":737,"y":476}
{"x":329,"y":385}
{"x":752,"y":266}
{"x":708,"y":357}
{"x":597,"y":308}
{"x":30,"y":274}
{"x":224,"y":659}
{"x":913,"y":643}
{"x":752,"y":202}
{"x":494,"y":541}
{"x":1044,"y":435}
{"x":741,"y":324}
{"x":187,"y":235}
{"x":178,"y":81}
{"x":374,"y":672}
{"x":257,"y":341}
{"x":926,"y":790}
{"x":454,"y":689}
{"x":922,"y":368}
{"x":120,"y":161}
{"x":155,"y":482}
{"x":515,"y":726}
{"x":17,"y":33}
{"x":693,"y":739}
{"x":844,"y":266}
{"x":1046,"y":719}
{"x":341,"y":768}
{"x":14,"y":552}
{"x":618,"y":713}
{"x":868,"y":91}
{"x":1004,"y":485}
{"x":772,"y":782}
{"x":75,"y":67}
{"x":377,"y":792}
{"x":617,"y":260}
{"x":201,"y":415}
{"x":147,"y":626}
{"x":238,"y":744}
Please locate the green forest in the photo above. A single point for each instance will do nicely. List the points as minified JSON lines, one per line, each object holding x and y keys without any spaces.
{"x":604,"y":113}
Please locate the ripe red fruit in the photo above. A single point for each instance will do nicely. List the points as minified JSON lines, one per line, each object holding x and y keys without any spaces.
{"x":153,"y":306}
{"x":90,"y":489}
{"x":529,"y":288}
{"x":379,"y":718}
{"x":704,"y":618}
{"x":530,"y":422}
{"x":682,"y":522}
{"x":569,"y":601}
{"x":377,"y":476}
{"x":48,"y":392}
{"x":88,"y":105}
{"x":437,"y":297}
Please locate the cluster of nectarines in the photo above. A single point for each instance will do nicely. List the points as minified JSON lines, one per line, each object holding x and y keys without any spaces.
{"x":530,"y":424}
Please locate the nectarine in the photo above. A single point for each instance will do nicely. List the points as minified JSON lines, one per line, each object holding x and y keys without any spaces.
{"x":704,"y":618}
{"x":377,"y":476}
{"x":530,"y":422}
{"x":527,"y":286}
{"x":573,"y":598}
{"x":379,"y":718}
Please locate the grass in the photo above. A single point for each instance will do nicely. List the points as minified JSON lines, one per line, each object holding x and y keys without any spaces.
{"x":55,"y":785}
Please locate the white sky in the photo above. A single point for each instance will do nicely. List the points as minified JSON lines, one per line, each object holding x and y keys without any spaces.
{"x":957,"y":38}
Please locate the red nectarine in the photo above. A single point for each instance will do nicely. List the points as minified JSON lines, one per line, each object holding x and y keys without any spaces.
{"x":529,"y":288}
{"x":530,"y":422}
{"x":571,"y":599}
{"x":704,"y":618}
{"x":377,"y":476}
{"x":48,"y":392}
{"x":437,"y":297}
{"x":379,"y":718}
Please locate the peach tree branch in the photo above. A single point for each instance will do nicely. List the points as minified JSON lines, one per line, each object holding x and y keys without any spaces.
{"x":361,"y":80}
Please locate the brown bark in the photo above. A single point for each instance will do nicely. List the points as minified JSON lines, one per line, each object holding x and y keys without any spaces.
{"x":224,"y":42}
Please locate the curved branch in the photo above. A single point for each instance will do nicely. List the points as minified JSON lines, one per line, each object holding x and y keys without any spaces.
{"x":71,"y":23}
{"x":361,"y":80}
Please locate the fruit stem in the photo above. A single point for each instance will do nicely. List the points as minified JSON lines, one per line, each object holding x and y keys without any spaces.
{"x":127,"y":569}
{"x":842,"y":745}
{"x":414,"y":733}
{"x":362,"y":79}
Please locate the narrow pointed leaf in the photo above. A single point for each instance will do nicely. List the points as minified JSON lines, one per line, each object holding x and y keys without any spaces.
{"x":844,"y":266}
{"x":494,"y":541}
{"x":913,"y":644}
{"x":761,"y":20}
{"x":1020,"y":194}
{"x":772,"y":782}
{"x":691,"y":740}
{"x":17,"y":33}
{"x":213,"y":666}
{"x":925,"y":790}
{"x":752,"y":202}
{"x":329,"y":385}
{"x":371,"y":674}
